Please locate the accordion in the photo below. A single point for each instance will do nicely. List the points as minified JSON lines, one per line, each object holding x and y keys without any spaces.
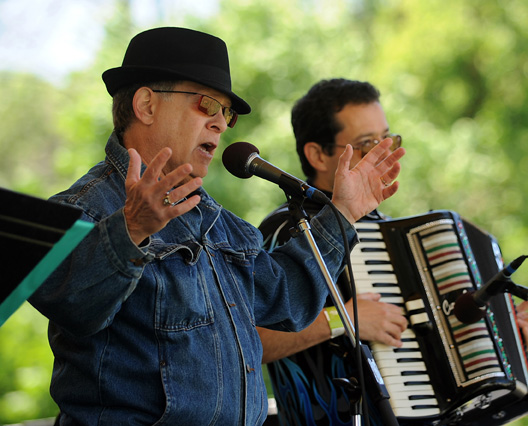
{"x":446,"y":372}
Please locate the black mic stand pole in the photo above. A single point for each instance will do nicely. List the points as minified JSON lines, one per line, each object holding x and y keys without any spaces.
{"x":504,"y":284}
{"x":373,"y":375}
{"x":517,"y":290}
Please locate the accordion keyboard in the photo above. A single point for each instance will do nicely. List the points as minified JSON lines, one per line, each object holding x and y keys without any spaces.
{"x":403,"y":369}
{"x":445,"y":371}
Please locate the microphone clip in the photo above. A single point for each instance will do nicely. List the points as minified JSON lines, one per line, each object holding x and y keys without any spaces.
{"x":297,"y":212}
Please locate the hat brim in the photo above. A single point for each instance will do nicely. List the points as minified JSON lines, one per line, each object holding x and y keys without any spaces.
{"x":117,"y":78}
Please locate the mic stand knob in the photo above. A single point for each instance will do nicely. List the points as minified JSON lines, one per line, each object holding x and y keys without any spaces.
{"x":353,"y":391}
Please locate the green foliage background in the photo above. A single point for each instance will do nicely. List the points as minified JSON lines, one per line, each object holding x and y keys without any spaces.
{"x":453,"y":77}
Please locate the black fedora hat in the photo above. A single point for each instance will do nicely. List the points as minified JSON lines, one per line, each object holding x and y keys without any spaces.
{"x":171,"y":53}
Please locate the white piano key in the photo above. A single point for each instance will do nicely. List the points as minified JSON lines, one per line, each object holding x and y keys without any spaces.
{"x":377,"y":286}
{"x":393,"y":300}
{"x":378,"y":245}
{"x":399,"y":357}
{"x":410,"y":412}
{"x":405,"y":393}
{"x":366,"y":225}
{"x":419,"y":378}
{"x":364,"y":275}
{"x":396,"y":371}
{"x":380,"y":347}
{"x":408,"y":333}
{"x":361,"y":258}
{"x":369,"y":235}
{"x":380,"y":268}
{"x":402,"y":365}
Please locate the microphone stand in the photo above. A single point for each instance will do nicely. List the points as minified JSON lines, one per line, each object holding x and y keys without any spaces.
{"x":373,"y":376}
{"x":508,"y":286}
{"x":517,"y":290}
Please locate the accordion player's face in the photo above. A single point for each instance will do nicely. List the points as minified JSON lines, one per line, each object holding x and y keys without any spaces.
{"x":362,"y":126}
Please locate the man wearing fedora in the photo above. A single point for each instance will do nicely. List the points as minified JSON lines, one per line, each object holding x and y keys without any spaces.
{"x":153,"y":316}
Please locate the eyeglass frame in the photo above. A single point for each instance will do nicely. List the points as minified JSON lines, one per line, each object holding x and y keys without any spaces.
{"x":395,"y":144}
{"x":230,"y":121}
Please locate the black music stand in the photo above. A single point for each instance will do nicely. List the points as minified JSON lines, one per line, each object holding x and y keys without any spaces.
{"x":35,"y":237}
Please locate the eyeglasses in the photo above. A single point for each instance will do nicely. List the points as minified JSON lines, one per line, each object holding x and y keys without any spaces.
{"x":367,"y":145}
{"x":210,"y":106}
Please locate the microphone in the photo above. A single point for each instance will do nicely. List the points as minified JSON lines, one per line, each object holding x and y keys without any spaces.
{"x":242,"y":160}
{"x":470,"y":307}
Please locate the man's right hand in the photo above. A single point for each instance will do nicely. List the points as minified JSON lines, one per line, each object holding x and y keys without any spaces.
{"x":145,"y":210}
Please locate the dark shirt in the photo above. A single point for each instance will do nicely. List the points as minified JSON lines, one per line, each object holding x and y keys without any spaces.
{"x":302,"y":383}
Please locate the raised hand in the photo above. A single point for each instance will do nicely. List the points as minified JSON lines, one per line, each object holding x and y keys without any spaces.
{"x":360,"y":190}
{"x":152,"y":199}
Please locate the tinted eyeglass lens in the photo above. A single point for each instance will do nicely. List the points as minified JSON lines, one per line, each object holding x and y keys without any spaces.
{"x":396,"y":143}
{"x":230,"y":116}
{"x":211,"y":107}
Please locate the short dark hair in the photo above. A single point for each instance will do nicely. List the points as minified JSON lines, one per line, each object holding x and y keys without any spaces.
{"x":313,"y":115}
{"x":122,"y":110}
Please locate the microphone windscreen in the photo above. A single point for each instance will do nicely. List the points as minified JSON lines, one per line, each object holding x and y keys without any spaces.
{"x":466,"y":309}
{"x":235,"y":158}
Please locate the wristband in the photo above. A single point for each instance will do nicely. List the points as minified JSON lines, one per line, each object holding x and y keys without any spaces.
{"x":334,"y":321}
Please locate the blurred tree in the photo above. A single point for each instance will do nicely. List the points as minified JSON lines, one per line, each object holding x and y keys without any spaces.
{"x":29,"y":137}
{"x":54,"y":134}
{"x":26,"y":362}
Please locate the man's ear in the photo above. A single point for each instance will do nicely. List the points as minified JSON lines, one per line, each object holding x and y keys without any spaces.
{"x":315,"y":156}
{"x":144,"y":104}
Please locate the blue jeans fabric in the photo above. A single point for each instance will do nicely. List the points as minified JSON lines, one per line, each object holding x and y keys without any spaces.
{"x":165,"y":333}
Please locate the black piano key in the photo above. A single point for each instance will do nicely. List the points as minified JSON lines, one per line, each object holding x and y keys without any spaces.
{"x":418,"y":397}
{"x":404,"y":360}
{"x":424,"y":407}
{"x":417,"y":383}
{"x":377,"y":262}
{"x":413,"y":372}
{"x":403,"y":350}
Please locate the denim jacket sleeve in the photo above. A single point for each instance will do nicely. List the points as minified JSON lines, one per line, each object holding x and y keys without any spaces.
{"x":302,"y":294}
{"x":85,"y":302}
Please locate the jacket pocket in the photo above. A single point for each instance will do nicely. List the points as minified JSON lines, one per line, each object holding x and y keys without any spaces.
{"x":182,"y":299}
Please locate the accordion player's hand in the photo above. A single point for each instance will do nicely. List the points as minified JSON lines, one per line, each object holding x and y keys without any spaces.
{"x":379,"y":321}
{"x":522,"y":320}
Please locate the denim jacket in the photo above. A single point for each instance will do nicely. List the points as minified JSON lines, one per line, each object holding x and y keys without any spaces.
{"x":165,"y":334}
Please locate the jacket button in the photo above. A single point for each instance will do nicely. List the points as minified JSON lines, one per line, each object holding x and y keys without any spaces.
{"x":249,"y":369}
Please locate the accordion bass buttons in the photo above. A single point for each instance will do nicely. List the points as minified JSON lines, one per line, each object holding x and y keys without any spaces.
{"x":418,"y":317}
